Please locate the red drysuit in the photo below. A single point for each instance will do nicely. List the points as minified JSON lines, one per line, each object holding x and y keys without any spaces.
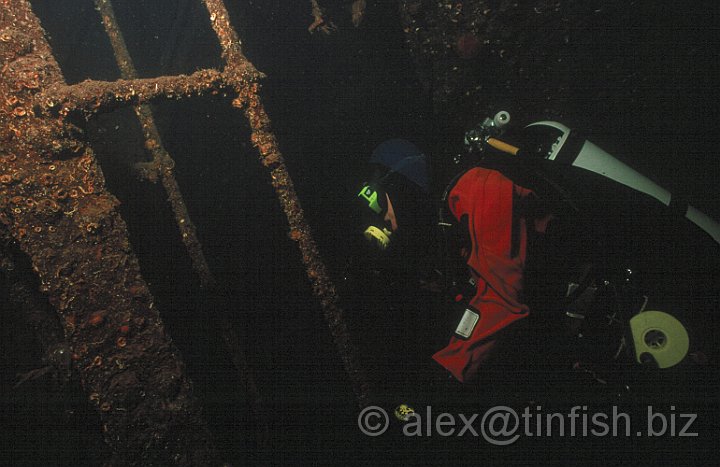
{"x":496,"y":260}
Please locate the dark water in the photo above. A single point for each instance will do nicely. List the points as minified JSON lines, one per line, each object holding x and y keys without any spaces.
{"x":331,"y":101}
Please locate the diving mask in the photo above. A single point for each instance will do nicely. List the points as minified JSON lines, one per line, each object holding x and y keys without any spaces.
{"x":377,"y":231}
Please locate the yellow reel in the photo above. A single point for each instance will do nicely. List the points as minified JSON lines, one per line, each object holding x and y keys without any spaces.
{"x":661,"y":336}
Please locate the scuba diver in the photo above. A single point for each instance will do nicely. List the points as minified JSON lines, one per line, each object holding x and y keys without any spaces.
{"x":506,"y":197}
{"x":496,"y":216}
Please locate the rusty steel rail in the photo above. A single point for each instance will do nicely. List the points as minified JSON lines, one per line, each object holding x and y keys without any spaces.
{"x":264,"y":140}
{"x":162,"y":163}
{"x":161,"y":167}
{"x":54,"y":203}
{"x":91,"y":97}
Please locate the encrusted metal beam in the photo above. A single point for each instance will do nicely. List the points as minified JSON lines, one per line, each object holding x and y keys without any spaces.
{"x":161,"y":167}
{"x":162,"y":163}
{"x":54,"y":203}
{"x":91,"y":97}
{"x":264,"y":140}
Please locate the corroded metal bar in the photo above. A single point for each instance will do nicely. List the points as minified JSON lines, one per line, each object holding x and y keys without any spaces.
{"x":264,"y":140}
{"x":162,"y":162}
{"x":162,"y":166}
{"x":230,"y":43}
{"x":54,"y":203}
{"x":91,"y":97}
{"x":117,"y":41}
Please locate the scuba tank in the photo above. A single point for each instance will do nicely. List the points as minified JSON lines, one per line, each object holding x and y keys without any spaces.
{"x":555,"y":142}
{"x":557,"y":161}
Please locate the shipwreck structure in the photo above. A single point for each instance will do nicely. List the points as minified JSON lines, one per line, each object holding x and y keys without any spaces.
{"x":54,"y":205}
{"x":72,"y":275}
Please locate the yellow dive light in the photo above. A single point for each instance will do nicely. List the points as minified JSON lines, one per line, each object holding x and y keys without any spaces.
{"x":381,"y":237}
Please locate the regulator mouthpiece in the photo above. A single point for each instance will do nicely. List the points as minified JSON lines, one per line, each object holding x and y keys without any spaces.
{"x":376,"y":232}
{"x":380,"y":237}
